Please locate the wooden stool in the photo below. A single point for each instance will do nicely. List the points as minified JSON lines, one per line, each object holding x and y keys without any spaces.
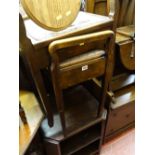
{"x":79,"y":59}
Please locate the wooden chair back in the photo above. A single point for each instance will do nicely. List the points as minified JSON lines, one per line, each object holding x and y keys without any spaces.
{"x":124,"y":10}
{"x":104,"y":7}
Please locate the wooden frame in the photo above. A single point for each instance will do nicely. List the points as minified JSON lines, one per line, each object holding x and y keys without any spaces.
{"x":121,"y":11}
{"x":55,"y":66}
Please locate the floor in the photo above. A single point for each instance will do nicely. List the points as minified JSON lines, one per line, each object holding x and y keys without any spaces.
{"x":122,"y":145}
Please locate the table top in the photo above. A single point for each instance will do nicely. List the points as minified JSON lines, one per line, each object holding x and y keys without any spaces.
{"x":84,"y":21}
{"x":125,"y":33}
{"x":34,"y":117}
{"x":126,"y":30}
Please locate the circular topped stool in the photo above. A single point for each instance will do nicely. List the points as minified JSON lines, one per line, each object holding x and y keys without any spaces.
{"x":52,"y":14}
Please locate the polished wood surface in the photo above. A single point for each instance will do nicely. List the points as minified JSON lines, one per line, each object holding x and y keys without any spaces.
{"x":34,"y":42}
{"x":124,"y":96}
{"x":126,"y":13}
{"x":87,"y":140}
{"x":104,"y":8}
{"x":39,"y":58}
{"x":101,"y":7}
{"x":82,"y":125}
{"x":121,"y":38}
{"x":77,"y":117}
{"x":127,"y":54}
{"x":118,"y":82}
{"x":84,"y":23}
{"x":63,"y":78}
{"x":34,"y":116}
{"x":52,"y":14}
{"x":122,"y":80}
{"x":125,"y":46}
{"x":122,"y":112}
{"x":122,"y":84}
{"x":123,"y":11}
{"x":127,"y":31}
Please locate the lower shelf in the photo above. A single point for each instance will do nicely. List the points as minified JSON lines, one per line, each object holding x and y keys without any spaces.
{"x":81,"y":140}
{"x":91,"y":149}
{"x":80,"y":109}
{"x":84,"y":130}
{"x":85,"y":142}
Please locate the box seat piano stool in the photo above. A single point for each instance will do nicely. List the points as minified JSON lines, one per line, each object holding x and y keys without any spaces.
{"x":39,"y":58}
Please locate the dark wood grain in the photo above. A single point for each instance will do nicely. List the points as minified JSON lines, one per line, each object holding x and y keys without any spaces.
{"x":121,"y":113}
{"x":40,"y":59}
{"x":65,"y":77}
{"x":85,"y":133}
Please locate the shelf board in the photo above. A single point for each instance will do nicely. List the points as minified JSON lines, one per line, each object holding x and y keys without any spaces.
{"x":92,"y":149}
{"x":124,"y":96}
{"x":80,"y":141}
{"x":80,"y":113}
{"x":122,"y":80}
{"x":118,"y":81}
{"x":77,"y":147}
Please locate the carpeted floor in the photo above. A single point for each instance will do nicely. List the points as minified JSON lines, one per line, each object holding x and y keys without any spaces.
{"x":121,"y":145}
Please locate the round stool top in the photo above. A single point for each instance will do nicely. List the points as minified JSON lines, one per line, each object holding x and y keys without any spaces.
{"x":52,"y":14}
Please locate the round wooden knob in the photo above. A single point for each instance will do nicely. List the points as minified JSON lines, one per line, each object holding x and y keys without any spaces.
{"x":52,"y":14}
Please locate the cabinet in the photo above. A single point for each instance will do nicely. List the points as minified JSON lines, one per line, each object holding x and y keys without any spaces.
{"x":121,"y":112}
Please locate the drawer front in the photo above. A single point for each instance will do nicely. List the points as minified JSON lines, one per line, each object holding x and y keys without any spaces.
{"x":120,"y":117}
{"x":81,"y":72}
{"x":127,"y":54}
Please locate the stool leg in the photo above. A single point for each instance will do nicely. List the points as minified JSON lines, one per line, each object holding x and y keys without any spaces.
{"x":63,"y":122}
{"x":59,"y":98}
{"x":60,"y":106}
{"x":105,"y":84}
